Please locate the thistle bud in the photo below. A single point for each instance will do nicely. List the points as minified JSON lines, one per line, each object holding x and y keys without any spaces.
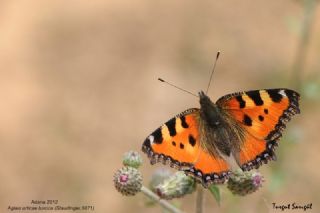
{"x":128,"y":181}
{"x":177,"y":185}
{"x":132,"y":159}
{"x":158,"y":177}
{"x":244,"y":183}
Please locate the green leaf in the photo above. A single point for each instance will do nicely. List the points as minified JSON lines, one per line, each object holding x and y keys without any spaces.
{"x":215,"y":191}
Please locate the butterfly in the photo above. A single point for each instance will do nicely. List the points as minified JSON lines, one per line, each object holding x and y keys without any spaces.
{"x":239,"y":130}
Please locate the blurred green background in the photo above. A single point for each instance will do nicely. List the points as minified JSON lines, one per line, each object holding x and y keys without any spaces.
{"x":78,"y":89}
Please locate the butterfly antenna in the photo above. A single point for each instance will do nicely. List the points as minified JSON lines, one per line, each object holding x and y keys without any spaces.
{"x":214,"y":66}
{"x":160,"y":79}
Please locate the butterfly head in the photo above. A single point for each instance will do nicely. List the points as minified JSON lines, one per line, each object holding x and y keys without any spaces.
{"x":204,"y":99}
{"x":209,"y":111}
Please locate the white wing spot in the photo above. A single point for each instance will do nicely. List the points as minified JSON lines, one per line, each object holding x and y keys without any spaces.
{"x":283,"y":93}
{"x":151,"y":138}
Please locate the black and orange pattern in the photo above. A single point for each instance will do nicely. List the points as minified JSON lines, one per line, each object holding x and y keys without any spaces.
{"x":263,"y":114}
{"x":245,"y":126}
{"x":177,"y":143}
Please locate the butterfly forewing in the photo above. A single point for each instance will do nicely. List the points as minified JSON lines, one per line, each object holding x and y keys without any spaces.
{"x":263,"y":114}
{"x":177,"y":142}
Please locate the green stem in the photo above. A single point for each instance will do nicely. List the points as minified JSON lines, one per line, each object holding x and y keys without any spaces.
{"x":199,"y":201}
{"x":306,"y":26}
{"x":165,"y":204}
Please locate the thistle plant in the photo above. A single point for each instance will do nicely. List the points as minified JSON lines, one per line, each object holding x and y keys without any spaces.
{"x":165,"y":185}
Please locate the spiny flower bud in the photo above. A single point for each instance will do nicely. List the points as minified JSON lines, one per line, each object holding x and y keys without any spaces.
{"x":128,"y":181}
{"x":132,"y":159}
{"x":244,"y":183}
{"x":158,"y":177}
{"x":177,"y":185}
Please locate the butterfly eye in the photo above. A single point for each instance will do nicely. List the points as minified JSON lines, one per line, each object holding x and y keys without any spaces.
{"x":216,"y":123}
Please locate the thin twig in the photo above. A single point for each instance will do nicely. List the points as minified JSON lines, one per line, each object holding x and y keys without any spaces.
{"x":165,"y":204}
{"x":199,"y":201}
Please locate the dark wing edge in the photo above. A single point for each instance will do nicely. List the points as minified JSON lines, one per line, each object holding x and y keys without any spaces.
{"x":292,"y":110}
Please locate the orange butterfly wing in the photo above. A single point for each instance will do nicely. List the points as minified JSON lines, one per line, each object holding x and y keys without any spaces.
{"x":177,"y":142}
{"x":263,"y":114}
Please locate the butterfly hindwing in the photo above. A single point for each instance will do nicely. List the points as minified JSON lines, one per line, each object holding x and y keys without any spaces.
{"x":178,"y":143}
{"x":263,"y":115}
{"x":209,"y":168}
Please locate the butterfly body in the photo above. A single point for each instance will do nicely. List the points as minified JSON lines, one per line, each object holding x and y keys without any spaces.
{"x":240,"y":129}
{"x":220,"y":132}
